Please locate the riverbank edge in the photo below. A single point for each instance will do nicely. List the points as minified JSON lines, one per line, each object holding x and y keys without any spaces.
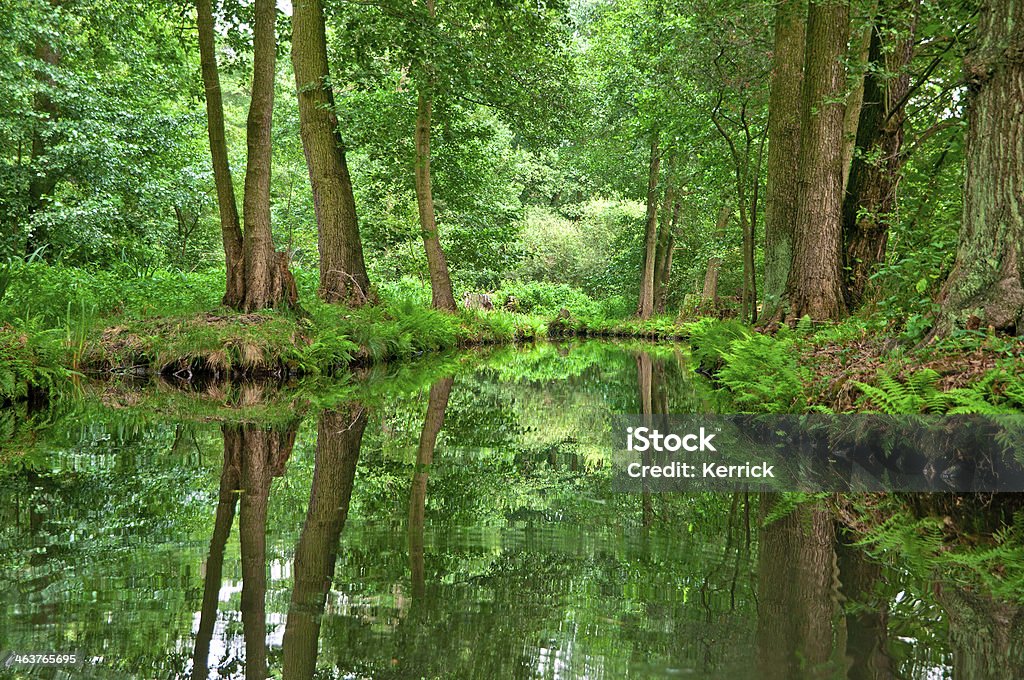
{"x":790,"y":370}
{"x":223,"y":344}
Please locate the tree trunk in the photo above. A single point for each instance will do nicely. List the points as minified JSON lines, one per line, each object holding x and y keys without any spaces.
{"x":855,"y":100}
{"x":265,"y":272}
{"x":663,"y":250}
{"x":645,"y":306}
{"x":230,"y":230}
{"x":441,"y":293}
{"x":986,"y":286}
{"x":749,"y":300}
{"x":814,"y":286}
{"x":709,"y":295}
{"x":870,"y":199}
{"x":663,"y":277}
{"x":783,"y":152}
{"x":339,"y":439}
{"x":343,"y":276}
{"x":262,"y":455}
{"x":437,"y":404}
{"x":224,"y":517}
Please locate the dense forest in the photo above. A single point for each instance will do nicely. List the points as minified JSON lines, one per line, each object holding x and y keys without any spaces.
{"x":379,"y":279}
{"x":767,"y":161}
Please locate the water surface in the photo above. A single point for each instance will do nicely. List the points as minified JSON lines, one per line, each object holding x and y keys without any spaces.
{"x":455,"y":523}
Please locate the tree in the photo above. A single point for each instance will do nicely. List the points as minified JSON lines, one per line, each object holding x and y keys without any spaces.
{"x":814,"y":285}
{"x":645,"y":306}
{"x":442,"y":296}
{"x":265,"y":271}
{"x":671,"y":209}
{"x":264,"y":279}
{"x":986,"y":286}
{"x":870,"y":199}
{"x":231,"y":230}
{"x":343,"y":276}
{"x":783,"y":152}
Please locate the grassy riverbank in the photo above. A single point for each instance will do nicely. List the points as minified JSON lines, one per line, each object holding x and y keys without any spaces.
{"x":58,"y":322}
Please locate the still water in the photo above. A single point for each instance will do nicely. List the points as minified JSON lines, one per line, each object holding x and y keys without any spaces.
{"x":450,"y":520}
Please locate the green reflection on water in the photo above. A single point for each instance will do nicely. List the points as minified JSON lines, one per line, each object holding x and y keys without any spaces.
{"x":443,"y":527}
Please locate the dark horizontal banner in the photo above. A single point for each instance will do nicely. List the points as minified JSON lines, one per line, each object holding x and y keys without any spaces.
{"x":818,"y":452}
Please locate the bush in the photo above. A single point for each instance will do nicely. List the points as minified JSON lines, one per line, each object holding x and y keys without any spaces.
{"x":546,"y":299}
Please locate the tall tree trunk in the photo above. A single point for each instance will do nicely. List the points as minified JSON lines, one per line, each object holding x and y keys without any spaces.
{"x":230,"y":230}
{"x":663,"y":249}
{"x":262,"y":455}
{"x":709,"y":294}
{"x":223,"y":518}
{"x":645,"y":306}
{"x":343,"y":276}
{"x":783,"y":152}
{"x":265,"y":272}
{"x":750,"y":233}
{"x":339,"y":439}
{"x":664,"y":275}
{"x":814,"y":286}
{"x":870,"y":199}
{"x":441,"y":293}
{"x":437,"y":404}
{"x":986,"y":286}
{"x":861,"y":52}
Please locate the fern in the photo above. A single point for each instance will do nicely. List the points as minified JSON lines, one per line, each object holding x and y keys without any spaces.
{"x":763,"y":375}
{"x":917,"y":394}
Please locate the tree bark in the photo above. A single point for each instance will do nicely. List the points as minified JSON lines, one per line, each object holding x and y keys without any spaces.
{"x":814,"y":286}
{"x":343,"y":276}
{"x":661,"y":292}
{"x":645,"y":306}
{"x":663,"y":250}
{"x":265,"y":272}
{"x":339,"y":439}
{"x":437,"y":404}
{"x":870,"y":200}
{"x":986,"y":286}
{"x":230,"y":229}
{"x":441,"y":294}
{"x":709,"y":294}
{"x":783,"y":152}
{"x":855,"y":100}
